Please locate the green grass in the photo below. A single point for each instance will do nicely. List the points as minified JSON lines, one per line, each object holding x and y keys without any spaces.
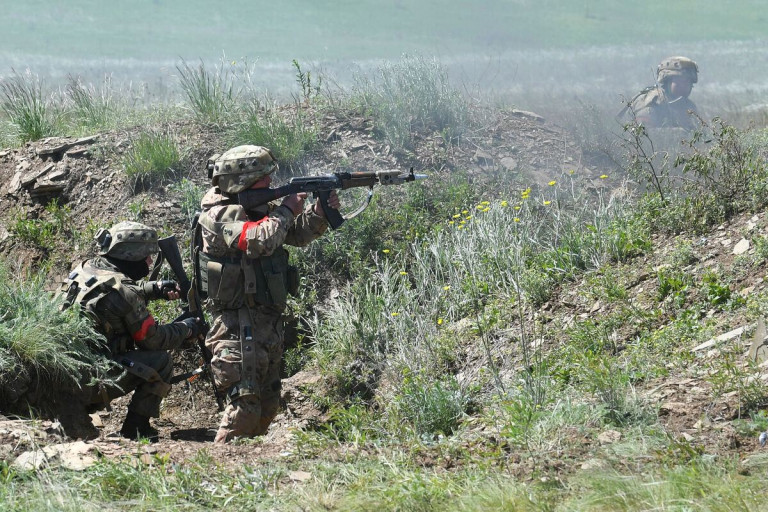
{"x":26,"y":102}
{"x":151,"y":158}
{"x":40,"y":346}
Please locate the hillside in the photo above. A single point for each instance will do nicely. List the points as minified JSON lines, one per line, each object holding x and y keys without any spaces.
{"x":635,"y":365}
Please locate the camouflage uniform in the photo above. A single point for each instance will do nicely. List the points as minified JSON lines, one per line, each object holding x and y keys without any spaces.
{"x":117,"y":305}
{"x":245,"y":274}
{"x":653,"y":107}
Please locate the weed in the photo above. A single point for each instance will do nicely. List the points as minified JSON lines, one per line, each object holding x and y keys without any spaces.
{"x":431,"y":406}
{"x":412,"y":95}
{"x":23,"y":100}
{"x":151,"y":157}
{"x":304,"y":79}
{"x":210,"y":94}
{"x":93,"y":109}
{"x":190,"y":196}
{"x":288,"y":139}
{"x":727,"y":374}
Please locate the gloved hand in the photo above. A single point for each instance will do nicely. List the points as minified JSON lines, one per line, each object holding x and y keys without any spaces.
{"x":196,"y":327}
{"x":168,"y":290}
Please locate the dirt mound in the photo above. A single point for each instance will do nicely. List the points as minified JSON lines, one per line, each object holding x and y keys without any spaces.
{"x":86,"y":176}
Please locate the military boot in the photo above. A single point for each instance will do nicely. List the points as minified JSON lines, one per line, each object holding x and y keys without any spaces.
{"x":137,"y":426}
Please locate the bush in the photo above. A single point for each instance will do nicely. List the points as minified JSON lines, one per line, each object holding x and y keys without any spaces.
{"x":431,"y":406}
{"x":210,"y":94}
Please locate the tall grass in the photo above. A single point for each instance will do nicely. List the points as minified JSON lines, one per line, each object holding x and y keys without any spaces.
{"x":32,"y":113}
{"x":152,"y":157}
{"x":288,"y":134}
{"x":93,"y":108}
{"x":478,"y":266}
{"x":211,"y":94}
{"x":40,"y":346}
{"x":411,"y":96}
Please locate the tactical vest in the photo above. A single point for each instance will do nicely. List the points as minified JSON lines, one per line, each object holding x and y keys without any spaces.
{"x":231,"y":282}
{"x":87,"y":287}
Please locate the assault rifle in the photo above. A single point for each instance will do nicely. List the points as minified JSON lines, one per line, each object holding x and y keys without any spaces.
{"x":169,"y":250}
{"x":322,"y":185}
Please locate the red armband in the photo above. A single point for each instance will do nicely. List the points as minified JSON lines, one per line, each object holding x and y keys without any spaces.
{"x":242,"y":242}
{"x":142,"y":332}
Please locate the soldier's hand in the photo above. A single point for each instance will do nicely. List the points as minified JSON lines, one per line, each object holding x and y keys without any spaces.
{"x":333,"y":202}
{"x":295,"y":202}
{"x":168,"y":290}
{"x":196,"y":327}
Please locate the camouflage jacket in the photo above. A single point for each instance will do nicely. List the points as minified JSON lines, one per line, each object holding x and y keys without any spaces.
{"x":228,"y":231}
{"x":117,"y":305}
{"x":654,"y":110}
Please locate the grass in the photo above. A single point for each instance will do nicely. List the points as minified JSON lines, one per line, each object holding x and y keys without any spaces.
{"x":451,"y":381}
{"x":151,"y":158}
{"x":40,"y":346}
{"x":25,"y":102}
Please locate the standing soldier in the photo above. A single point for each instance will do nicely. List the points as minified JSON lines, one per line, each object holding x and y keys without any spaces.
{"x":108,"y":292}
{"x":243,"y":268}
{"x":666,"y":104}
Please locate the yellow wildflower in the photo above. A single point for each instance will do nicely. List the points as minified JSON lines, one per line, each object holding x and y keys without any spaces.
{"x":395,"y":313}
{"x":552,"y":183}
{"x":547,"y":203}
{"x":439,"y":321}
{"x":516,"y":219}
{"x":446,"y":287}
{"x":385,"y":251}
{"x":504,"y":203}
{"x":603,"y":176}
{"x":403,"y":273}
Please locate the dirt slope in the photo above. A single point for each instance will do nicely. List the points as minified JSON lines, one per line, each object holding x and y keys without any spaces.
{"x":86,"y":175}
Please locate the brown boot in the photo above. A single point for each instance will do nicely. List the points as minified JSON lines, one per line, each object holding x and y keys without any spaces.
{"x":137,"y":426}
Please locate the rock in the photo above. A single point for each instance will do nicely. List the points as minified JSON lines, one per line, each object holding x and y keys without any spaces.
{"x":299,"y":476}
{"x":593,"y":464}
{"x":723,"y":337}
{"x":31,"y":460}
{"x":527,"y":114}
{"x":741,"y":247}
{"x":509,"y":163}
{"x":609,"y":437}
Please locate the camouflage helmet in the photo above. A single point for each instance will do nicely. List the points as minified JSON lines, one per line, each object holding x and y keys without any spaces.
{"x":677,"y":66}
{"x":129,"y":241}
{"x":240,"y":167}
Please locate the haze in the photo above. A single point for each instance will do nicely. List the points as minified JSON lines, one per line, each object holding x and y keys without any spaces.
{"x":542,"y":54}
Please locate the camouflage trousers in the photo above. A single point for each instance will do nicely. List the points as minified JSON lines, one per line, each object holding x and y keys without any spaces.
{"x":147,"y":395}
{"x":254,"y":386}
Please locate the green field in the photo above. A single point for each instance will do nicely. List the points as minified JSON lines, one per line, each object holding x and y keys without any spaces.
{"x":361,"y":29}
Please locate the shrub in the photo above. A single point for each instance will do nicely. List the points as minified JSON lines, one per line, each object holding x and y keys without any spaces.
{"x":431,"y":406}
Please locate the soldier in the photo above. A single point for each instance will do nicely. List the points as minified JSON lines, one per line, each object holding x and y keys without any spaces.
{"x":108,"y":291}
{"x":666,"y":104}
{"x":244,"y":271}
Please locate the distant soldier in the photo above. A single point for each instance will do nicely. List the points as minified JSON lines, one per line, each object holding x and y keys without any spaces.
{"x":109,"y":292}
{"x":244,"y":272}
{"x":666,"y":104}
